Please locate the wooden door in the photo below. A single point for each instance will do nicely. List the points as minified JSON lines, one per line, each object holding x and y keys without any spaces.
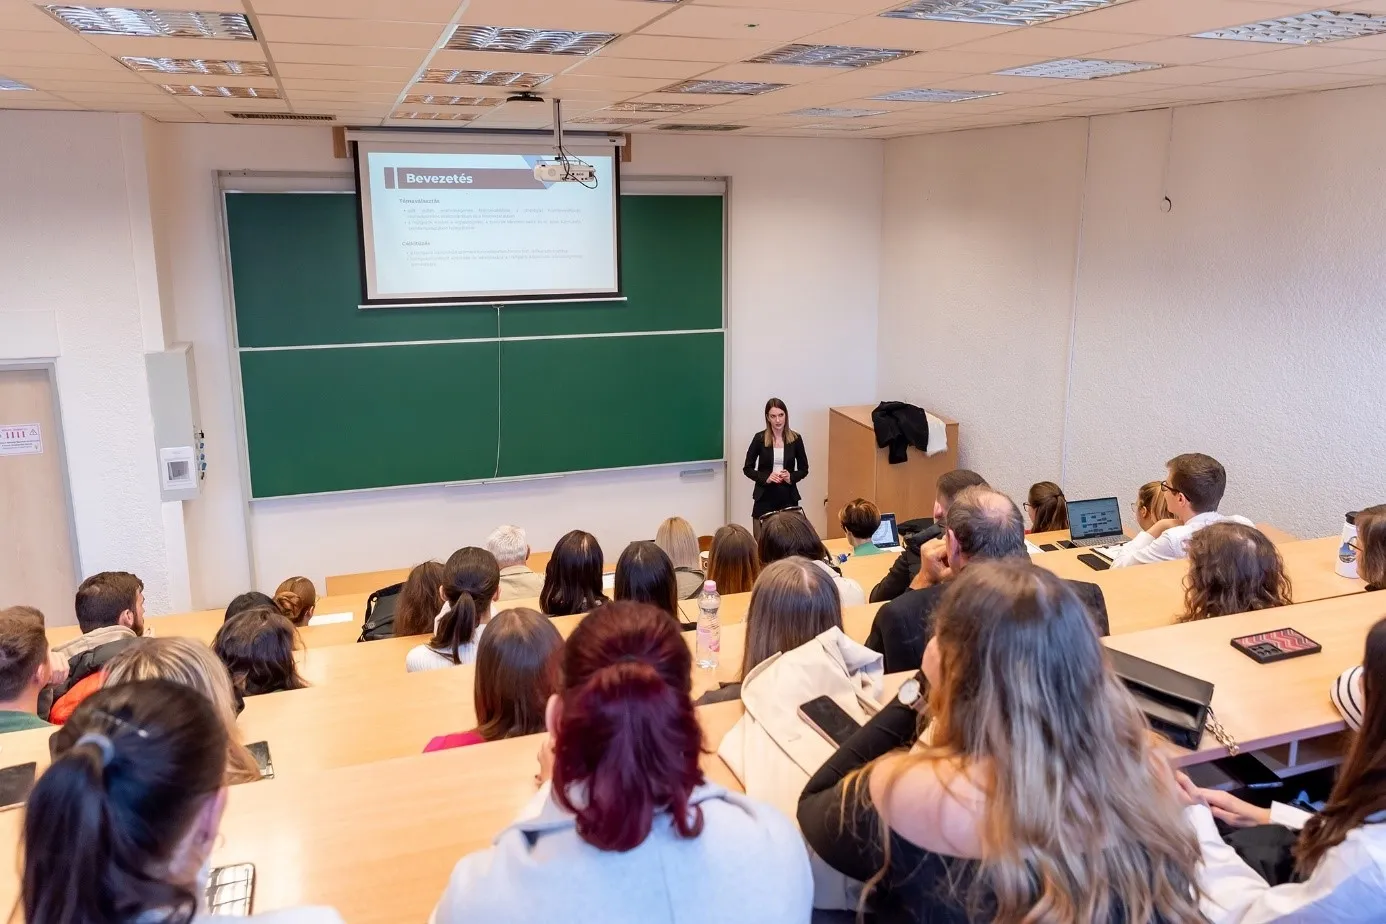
{"x":37,"y":560}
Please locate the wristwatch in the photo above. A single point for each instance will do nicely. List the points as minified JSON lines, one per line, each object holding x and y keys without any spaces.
{"x":911,"y":691}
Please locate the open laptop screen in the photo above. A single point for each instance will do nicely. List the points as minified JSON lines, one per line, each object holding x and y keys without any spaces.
{"x":1091,"y":518}
{"x":886,"y":536}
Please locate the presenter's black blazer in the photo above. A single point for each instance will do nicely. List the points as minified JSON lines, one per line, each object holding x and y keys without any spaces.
{"x":760,"y":464}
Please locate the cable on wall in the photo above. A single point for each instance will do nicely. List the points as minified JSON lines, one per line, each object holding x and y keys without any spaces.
{"x":1166,"y":203}
{"x":500,"y":421}
{"x":1073,"y":312}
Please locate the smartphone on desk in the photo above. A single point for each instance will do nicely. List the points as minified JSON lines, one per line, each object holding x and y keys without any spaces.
{"x":829,"y":719}
{"x":260,"y":751}
{"x":230,"y":888}
{"x":1095,"y":562}
{"x":15,"y":784}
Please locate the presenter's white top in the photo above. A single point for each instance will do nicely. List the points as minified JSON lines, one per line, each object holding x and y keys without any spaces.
{"x":1172,"y":544}
{"x":779,"y":458}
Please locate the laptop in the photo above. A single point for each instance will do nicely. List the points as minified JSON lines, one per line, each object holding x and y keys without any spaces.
{"x":887,"y":535}
{"x":1094,"y":523}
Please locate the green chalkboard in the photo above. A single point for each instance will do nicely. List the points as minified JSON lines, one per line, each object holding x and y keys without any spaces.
{"x":340,"y":398}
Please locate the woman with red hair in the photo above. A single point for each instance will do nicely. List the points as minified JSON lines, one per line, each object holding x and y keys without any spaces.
{"x":624,"y":827}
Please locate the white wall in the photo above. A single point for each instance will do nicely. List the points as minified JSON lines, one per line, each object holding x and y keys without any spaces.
{"x":802,"y":301}
{"x":75,"y":247}
{"x":1246,"y":322}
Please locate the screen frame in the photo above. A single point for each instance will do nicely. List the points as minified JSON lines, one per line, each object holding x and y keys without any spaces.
{"x":1116,"y":503}
{"x":467,"y":301}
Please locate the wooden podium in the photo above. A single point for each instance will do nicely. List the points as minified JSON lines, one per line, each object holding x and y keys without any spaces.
{"x":857,"y":468}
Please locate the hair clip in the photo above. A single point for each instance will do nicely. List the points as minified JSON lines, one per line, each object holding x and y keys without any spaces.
{"x":117,"y":720}
{"x":103,"y":744}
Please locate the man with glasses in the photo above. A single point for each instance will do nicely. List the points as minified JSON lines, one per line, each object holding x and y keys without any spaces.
{"x":1192,"y":491}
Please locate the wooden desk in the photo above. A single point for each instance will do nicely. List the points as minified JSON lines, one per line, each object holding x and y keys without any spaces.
{"x":1146,"y":596}
{"x":1262,"y":705}
{"x":366,"y":582}
{"x":205,"y":623}
{"x":1273,"y":533}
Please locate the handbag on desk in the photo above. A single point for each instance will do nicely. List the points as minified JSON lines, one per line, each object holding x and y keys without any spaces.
{"x":1176,"y":705}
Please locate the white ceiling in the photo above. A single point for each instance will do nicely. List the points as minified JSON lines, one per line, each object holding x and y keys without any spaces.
{"x":358,"y":60}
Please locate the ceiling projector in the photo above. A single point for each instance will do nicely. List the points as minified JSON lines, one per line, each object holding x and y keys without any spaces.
{"x":560,"y":171}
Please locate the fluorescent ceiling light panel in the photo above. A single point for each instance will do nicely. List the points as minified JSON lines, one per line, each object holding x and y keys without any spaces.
{"x":831,"y":112}
{"x":611,"y":120}
{"x":830,"y":56}
{"x":485,"y":78}
{"x":655,"y":107}
{"x":117,"y":20}
{"x":1079,"y":69}
{"x":198,"y":66}
{"x":724,"y":87}
{"x":677,"y":127}
{"x":436,"y":116}
{"x":430,"y":99}
{"x":1304,"y":28}
{"x":527,"y":41}
{"x":927,"y":95}
{"x":7,"y":84}
{"x":996,"y":12}
{"x":228,"y":92}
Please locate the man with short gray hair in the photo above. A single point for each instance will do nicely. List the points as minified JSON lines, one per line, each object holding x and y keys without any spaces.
{"x":511,"y":548}
{"x":982,"y":525}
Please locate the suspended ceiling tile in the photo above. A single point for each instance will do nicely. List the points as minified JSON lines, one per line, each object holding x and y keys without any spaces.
{"x":917,"y":34}
{"x":1049,"y":42}
{"x":619,"y":16}
{"x":1298,"y":80}
{"x":153,"y":46}
{"x":346,"y":72}
{"x":452,"y":59}
{"x":675,"y":48}
{"x":635,"y":67}
{"x":1308,"y":57}
{"x":770,"y":73}
{"x":959,"y":62}
{"x":286,"y":53}
{"x":561,"y":84}
{"x":311,"y":30}
{"x":432,"y":11}
{"x":738,"y":23}
{"x":1185,"y":50}
{"x":1180,"y":17}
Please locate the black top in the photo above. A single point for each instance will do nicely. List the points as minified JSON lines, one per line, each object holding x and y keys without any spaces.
{"x":905,"y":566}
{"x":844,"y":829}
{"x":760,"y":465}
{"x":903,"y":627}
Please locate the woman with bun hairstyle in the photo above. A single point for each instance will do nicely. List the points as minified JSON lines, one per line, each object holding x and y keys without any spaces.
{"x":623,"y":803}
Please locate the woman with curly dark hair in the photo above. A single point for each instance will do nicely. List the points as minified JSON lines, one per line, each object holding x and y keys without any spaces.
{"x":1233,"y":569}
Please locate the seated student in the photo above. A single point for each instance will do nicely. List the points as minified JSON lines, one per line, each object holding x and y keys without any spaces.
{"x":1192,"y":491}
{"x":573,"y":577}
{"x":1338,"y":869}
{"x":511,"y":548}
{"x":416,"y":609}
{"x":257,"y":647}
{"x":110,"y":611}
{"x":792,"y":603}
{"x":625,"y":828}
{"x":1150,"y":506}
{"x":122,"y":825}
{"x":733,"y":561}
{"x":1371,"y":546}
{"x":983,"y":525}
{"x":251,"y":599}
{"x":905,"y":568}
{"x":471,"y":583}
{"x":192,"y":664}
{"x":1348,"y":694}
{"x":789,"y":533}
{"x":644,"y":574}
{"x":296,"y":598}
{"x":1036,"y":793}
{"x":517,"y":664}
{"x":1233,"y":569}
{"x":26,"y":668}
{"x":678,"y":540}
{"x":1047,"y":506}
{"x":860,"y":519}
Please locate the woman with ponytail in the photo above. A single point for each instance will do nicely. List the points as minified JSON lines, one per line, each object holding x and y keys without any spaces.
{"x":471,"y":583}
{"x":120,"y":827}
{"x":296,"y":598}
{"x":624,"y":828}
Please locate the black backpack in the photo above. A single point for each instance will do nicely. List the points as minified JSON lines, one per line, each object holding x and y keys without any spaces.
{"x":380,"y":614}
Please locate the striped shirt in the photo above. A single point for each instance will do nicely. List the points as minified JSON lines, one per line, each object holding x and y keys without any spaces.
{"x":1347,"y":696}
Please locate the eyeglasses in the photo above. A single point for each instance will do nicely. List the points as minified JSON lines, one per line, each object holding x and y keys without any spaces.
{"x":1355,"y":546}
{"x":1168,"y":488}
